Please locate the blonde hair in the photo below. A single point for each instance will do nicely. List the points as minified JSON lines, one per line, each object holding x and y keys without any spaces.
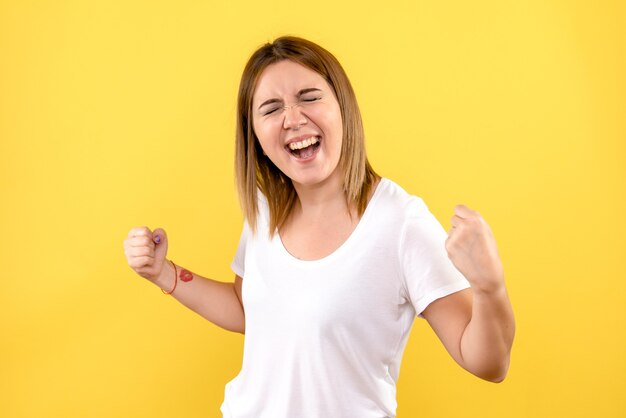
{"x":254,"y":171}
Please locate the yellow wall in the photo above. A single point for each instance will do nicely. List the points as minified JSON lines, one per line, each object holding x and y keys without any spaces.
{"x":116,"y":114}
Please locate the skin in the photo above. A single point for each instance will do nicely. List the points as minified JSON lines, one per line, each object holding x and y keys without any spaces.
{"x":218,"y":302}
{"x":320,"y":221}
{"x":476,"y":325}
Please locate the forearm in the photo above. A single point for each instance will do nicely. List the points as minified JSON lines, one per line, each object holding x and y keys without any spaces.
{"x":213,"y":300}
{"x":488,"y":337}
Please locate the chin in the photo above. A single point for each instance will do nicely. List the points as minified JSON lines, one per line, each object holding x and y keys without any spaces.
{"x":311,"y":181}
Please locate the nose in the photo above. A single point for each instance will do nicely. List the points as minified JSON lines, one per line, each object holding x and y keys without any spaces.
{"x":294,"y":117}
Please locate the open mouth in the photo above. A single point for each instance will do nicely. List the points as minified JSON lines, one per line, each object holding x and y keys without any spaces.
{"x":304,"y":149}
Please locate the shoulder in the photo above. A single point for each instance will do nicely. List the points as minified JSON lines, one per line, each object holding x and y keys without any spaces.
{"x":408,"y":218}
{"x":397,"y":202}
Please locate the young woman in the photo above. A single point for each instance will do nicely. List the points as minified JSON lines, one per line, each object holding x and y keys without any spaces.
{"x":334,"y":262}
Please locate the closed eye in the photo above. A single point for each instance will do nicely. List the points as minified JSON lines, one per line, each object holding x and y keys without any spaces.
{"x":304,"y":99}
{"x":269,"y":112}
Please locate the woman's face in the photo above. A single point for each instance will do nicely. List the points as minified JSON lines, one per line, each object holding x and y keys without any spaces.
{"x":297,"y":120}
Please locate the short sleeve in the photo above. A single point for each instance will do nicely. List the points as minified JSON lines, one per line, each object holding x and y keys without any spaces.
{"x":238,"y":264}
{"x":427,"y":270}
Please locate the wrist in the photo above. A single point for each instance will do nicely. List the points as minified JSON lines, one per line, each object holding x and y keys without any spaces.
{"x":487,"y":282}
{"x":167,"y":277}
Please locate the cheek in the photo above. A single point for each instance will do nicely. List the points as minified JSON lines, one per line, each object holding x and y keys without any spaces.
{"x":256,"y":129}
{"x":328,"y":119}
{"x":334,"y":124}
{"x":259,"y":131}
{"x":267,"y":135}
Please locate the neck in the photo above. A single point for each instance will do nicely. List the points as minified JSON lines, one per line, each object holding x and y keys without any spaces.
{"x":321,"y":199}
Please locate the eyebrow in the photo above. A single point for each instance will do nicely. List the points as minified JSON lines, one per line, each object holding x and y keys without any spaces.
{"x":300,"y":93}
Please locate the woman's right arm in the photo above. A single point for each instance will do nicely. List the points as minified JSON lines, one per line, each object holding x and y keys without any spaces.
{"x":218,"y":302}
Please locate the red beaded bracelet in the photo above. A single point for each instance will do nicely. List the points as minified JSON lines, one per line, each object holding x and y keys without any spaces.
{"x":175,"y":280}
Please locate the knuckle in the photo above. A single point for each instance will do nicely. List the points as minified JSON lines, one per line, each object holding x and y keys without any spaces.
{"x":140,"y":231}
{"x":138,"y":262}
{"x":140,"y":251}
{"x":140,"y":241}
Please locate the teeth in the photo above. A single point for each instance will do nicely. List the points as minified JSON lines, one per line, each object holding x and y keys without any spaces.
{"x":304,"y":143}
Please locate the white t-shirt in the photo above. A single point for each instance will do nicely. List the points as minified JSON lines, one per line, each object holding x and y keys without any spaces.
{"x":325,"y":338}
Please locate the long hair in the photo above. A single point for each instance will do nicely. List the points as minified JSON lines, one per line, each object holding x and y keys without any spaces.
{"x":254,"y":171}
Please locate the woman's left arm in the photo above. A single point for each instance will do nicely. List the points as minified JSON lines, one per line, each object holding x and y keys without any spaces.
{"x":475,"y":325}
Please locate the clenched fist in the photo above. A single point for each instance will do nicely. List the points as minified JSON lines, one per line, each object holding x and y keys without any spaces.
{"x":145,"y":251}
{"x":472,"y":249}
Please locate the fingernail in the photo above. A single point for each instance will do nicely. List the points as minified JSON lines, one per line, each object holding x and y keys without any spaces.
{"x":158,"y":239}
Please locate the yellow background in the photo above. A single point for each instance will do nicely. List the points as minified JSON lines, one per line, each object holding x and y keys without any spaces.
{"x":115,"y":114}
